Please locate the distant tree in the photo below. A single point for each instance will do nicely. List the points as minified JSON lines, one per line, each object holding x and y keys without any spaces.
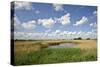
{"x":88,"y":38}
{"x":79,"y":38}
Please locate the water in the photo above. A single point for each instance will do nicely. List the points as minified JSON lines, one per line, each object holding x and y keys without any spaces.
{"x":64,"y":45}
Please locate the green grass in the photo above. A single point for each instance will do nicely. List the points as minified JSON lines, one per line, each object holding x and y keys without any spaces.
{"x":46,"y":55}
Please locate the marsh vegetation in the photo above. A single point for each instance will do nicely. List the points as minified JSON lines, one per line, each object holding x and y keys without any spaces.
{"x":40,"y":51}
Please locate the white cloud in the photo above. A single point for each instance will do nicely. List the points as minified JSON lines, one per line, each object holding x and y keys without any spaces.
{"x":69,"y":33}
{"x":58,"y":7}
{"x":19,"y":35}
{"x":90,"y":34}
{"x":95,"y":13}
{"x":17,"y":23}
{"x":83,"y":20}
{"x":80,"y":32}
{"x":85,"y":35}
{"x":47,"y":23}
{"x":64,"y":33}
{"x":65,"y":19}
{"x":57,"y":34}
{"x":94,"y":26}
{"x":27,"y":35}
{"x":37,"y":11}
{"x":57,"y":31}
{"x":73,"y":32}
{"x":49,"y":30}
{"x":23,"y":5}
{"x":91,"y":24}
{"x":29,"y":24}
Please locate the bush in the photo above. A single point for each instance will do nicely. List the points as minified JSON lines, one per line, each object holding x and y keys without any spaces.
{"x":79,"y":38}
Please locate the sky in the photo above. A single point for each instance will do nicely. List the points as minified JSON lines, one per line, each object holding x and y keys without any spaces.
{"x":54,"y":21}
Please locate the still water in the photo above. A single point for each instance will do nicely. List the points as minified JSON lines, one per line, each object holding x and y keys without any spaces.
{"x":64,"y":45}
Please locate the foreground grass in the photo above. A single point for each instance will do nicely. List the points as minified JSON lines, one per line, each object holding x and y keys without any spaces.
{"x":45,"y":56}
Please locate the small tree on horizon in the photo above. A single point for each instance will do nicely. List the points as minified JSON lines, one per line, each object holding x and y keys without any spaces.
{"x":88,"y":38}
{"x":79,"y":38}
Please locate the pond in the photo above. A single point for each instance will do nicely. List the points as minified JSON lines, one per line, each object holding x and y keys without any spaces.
{"x":63,"y":45}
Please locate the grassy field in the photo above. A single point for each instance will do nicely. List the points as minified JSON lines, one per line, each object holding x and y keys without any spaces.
{"x":36,"y":52}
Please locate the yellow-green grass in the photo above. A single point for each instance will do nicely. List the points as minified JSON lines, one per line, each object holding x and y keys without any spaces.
{"x":35,"y":52}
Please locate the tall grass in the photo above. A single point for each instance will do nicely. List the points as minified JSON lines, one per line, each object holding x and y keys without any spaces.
{"x":36,"y":52}
{"x":45,"y":56}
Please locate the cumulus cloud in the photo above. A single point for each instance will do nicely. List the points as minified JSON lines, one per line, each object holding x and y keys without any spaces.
{"x":95,"y":13}
{"x":57,"y":31}
{"x":64,"y":20}
{"x":83,"y":20}
{"x":27,"y":35}
{"x":18,"y":35}
{"x":93,"y":26}
{"x":57,"y":34}
{"x":49,"y":30}
{"x":23,"y":5}
{"x":58,"y":7}
{"x":47,"y":23}
{"x":29,"y":24}
{"x":17,"y":23}
{"x":64,"y":33}
{"x":37,"y":11}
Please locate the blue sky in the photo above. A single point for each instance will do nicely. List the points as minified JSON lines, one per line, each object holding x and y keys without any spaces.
{"x":64,"y":21}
